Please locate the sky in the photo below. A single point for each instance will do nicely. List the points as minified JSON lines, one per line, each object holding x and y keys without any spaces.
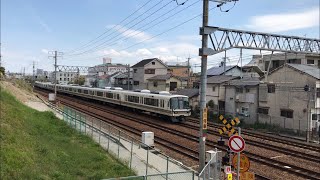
{"x":85,"y":31}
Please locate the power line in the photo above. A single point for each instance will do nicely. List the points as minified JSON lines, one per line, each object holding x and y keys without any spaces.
{"x":122,"y":27}
{"x":137,"y":31}
{"x":105,"y":32}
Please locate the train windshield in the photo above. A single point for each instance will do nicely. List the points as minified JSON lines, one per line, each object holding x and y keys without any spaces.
{"x":179,"y":103}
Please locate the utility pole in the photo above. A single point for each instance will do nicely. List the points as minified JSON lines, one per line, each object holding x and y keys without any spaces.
{"x":188,"y":82}
{"x":55,"y":55}
{"x":203,"y":84}
{"x":128,"y":80}
{"x":33,"y":71}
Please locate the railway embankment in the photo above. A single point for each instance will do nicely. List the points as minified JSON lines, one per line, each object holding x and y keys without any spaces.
{"x":37,"y":145}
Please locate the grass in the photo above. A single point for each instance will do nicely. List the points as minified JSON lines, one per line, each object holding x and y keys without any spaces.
{"x":37,"y":145}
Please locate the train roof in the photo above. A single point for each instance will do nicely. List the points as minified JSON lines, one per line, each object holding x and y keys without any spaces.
{"x":120,"y":91}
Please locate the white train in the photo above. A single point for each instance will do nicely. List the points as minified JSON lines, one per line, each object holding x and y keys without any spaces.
{"x":173,"y":107}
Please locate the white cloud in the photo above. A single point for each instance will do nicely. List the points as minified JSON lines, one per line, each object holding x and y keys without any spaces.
{"x":143,"y":52}
{"x":45,"y":51}
{"x":285,"y":21}
{"x":131,"y":33}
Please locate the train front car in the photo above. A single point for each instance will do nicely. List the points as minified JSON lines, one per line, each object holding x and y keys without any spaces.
{"x":180,"y":108}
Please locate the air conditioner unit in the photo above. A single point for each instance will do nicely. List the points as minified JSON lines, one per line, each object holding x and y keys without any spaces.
{"x":237,"y":97}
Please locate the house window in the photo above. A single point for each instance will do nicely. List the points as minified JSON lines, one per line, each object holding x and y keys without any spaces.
{"x":314,"y":116}
{"x":288,"y":113}
{"x":60,"y":79}
{"x":271,"y":88}
{"x":150,"y":71}
{"x":153,"y":63}
{"x":135,"y":82}
{"x":247,"y":90}
{"x":155,"y":84}
{"x":318,"y":92}
{"x":310,"y":61}
{"x":244,"y":110}
{"x":134,"y":70}
{"x":294,"y":61}
{"x":239,"y":90}
{"x":263,"y":110}
{"x":64,"y":79}
{"x":213,"y":88}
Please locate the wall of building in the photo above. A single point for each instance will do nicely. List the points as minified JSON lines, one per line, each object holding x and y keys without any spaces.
{"x":289,"y":94}
{"x":235,"y":101}
{"x":217,"y":95}
{"x":162,"y":85}
{"x":178,"y":71}
{"x":140,"y":75}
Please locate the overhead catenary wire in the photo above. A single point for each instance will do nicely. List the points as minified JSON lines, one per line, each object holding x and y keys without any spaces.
{"x":105,"y":32}
{"x":170,"y":29}
{"x":140,"y":30}
{"x":126,"y":30}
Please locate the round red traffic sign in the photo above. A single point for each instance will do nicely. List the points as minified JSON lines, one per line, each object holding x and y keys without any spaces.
{"x":236,"y":143}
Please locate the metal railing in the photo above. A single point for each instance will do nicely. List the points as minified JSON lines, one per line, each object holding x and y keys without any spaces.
{"x":139,"y":157}
{"x":187,"y":175}
{"x":212,"y":169}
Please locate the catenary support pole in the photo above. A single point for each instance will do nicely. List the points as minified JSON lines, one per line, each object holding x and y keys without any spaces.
{"x":203,"y":82}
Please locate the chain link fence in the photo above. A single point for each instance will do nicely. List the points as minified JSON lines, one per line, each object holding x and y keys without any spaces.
{"x":141,"y":158}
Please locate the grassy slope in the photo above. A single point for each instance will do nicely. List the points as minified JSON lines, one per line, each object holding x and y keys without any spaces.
{"x":37,"y":145}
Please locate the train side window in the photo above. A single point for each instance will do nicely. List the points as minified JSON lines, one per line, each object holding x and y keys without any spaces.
{"x":85,"y":91}
{"x":70,"y":89}
{"x":109,"y":95}
{"x":118,"y":96}
{"x":79,"y":90}
{"x":99,"y":93}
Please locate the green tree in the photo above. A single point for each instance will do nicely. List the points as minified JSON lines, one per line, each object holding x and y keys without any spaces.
{"x":2,"y":70}
{"x":211,"y":104}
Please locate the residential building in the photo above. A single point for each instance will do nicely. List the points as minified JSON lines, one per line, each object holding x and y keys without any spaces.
{"x":64,"y":77}
{"x":242,"y":98}
{"x":101,"y":71}
{"x":284,"y":101}
{"x":271,"y":62}
{"x":216,"y":90}
{"x":39,"y":72}
{"x":146,"y":69}
{"x":193,"y":95}
{"x":106,"y":80}
{"x":121,"y":80}
{"x":165,"y":82}
{"x":179,"y":70}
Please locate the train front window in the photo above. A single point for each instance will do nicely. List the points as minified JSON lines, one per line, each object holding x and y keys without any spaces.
{"x":179,"y":103}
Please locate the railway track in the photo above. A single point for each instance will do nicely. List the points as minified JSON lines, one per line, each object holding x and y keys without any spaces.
{"x":261,"y":144}
{"x":260,"y":159}
{"x":296,"y":143}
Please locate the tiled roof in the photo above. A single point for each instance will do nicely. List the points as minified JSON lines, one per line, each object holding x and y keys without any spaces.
{"x":216,"y":71}
{"x":244,"y":82}
{"x":161,"y":77}
{"x":187,"y":92}
{"x":220,"y":79}
{"x":310,"y":70}
{"x":143,"y":62}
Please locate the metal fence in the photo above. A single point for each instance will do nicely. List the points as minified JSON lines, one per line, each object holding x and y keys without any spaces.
{"x":212,"y":169}
{"x":187,"y":175}
{"x":139,"y":157}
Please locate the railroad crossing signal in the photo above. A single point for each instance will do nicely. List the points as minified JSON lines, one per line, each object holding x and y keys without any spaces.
{"x":228,"y":126}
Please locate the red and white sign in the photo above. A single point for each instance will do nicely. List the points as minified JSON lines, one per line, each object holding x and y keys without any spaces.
{"x":227,"y":169}
{"x":236,"y":143}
